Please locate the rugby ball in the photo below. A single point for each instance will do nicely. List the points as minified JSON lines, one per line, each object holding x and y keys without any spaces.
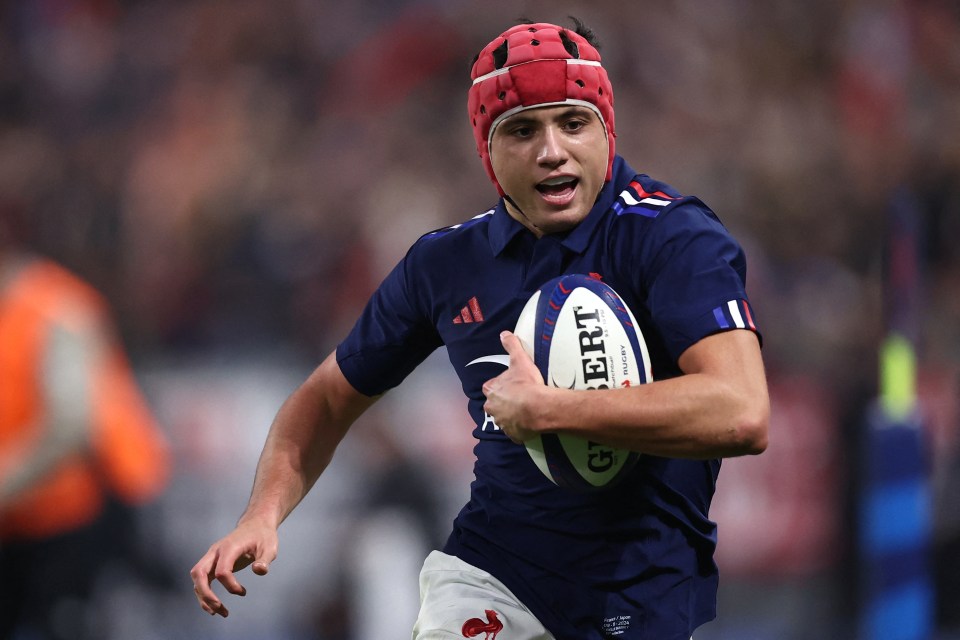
{"x":581,"y":335}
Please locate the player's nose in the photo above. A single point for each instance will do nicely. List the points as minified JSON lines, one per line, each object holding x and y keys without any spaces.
{"x":551,"y":152}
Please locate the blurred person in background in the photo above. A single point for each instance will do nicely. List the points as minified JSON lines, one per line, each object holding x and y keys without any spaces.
{"x":526,"y":557}
{"x":79,"y":447}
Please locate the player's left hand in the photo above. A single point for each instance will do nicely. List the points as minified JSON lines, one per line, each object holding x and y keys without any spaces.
{"x":251,"y":542}
{"x":512,"y":397}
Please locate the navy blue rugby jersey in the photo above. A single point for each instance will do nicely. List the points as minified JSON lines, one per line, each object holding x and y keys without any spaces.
{"x":632,"y":562}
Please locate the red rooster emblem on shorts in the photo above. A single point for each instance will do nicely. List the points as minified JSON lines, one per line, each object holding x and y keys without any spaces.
{"x":475,"y":626}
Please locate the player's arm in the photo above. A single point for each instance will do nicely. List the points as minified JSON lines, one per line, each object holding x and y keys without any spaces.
{"x":719,"y":407}
{"x":301,"y":442}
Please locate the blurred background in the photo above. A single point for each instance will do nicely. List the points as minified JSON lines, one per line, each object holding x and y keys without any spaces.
{"x":236,"y":177}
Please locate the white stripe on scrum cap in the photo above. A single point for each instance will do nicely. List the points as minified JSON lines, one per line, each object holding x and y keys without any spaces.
{"x":497,"y":72}
{"x":735,"y":314}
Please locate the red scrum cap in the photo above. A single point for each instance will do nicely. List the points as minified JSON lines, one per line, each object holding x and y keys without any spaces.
{"x":536,"y":65}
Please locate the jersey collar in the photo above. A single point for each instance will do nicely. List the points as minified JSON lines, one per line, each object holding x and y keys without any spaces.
{"x":503,"y":228}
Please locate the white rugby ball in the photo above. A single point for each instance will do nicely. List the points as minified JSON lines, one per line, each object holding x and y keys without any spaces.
{"x":581,"y":335}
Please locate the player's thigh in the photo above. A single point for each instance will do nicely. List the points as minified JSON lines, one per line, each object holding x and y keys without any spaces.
{"x":458,"y":600}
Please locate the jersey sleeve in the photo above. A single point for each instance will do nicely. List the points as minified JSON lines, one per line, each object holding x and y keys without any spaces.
{"x":694,"y":274}
{"x":392,"y":336}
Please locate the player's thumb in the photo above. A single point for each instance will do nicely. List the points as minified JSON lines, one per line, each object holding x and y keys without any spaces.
{"x":261,"y":566}
{"x":518,"y":355}
{"x":511,"y":343}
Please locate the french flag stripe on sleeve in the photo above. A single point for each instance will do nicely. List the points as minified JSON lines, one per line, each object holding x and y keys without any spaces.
{"x":735,"y":313}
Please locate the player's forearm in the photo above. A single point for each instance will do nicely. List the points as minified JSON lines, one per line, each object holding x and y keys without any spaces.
{"x":302,"y":440}
{"x":289,"y":465}
{"x":719,"y":408}
{"x":693,"y":416}
{"x":301,"y":443}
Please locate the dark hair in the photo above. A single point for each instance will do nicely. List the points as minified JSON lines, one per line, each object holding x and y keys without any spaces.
{"x":585,"y":32}
{"x":578,"y":27}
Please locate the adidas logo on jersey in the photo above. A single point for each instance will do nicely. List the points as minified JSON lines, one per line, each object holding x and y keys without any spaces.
{"x":470,"y":313}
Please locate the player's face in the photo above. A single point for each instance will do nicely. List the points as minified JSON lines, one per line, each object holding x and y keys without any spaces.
{"x":551,"y":161}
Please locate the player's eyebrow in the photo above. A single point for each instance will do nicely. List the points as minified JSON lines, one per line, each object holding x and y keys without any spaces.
{"x":524,"y":119}
{"x":521,"y":119}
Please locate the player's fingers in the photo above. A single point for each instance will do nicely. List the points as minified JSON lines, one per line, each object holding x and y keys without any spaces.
{"x":242,"y":562}
{"x":213,"y":608}
{"x":201,"y":573}
{"x":487,"y":386}
{"x":223,"y":571}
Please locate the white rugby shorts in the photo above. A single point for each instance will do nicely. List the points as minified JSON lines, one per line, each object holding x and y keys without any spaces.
{"x":458,"y":600}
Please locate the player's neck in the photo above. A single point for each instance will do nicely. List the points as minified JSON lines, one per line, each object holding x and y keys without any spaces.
{"x":517,"y":214}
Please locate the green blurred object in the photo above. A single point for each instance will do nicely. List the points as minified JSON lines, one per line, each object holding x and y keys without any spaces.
{"x":898,"y":377}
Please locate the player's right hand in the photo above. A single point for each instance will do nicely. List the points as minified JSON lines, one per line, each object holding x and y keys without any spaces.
{"x":510,"y":395}
{"x":250,"y":543}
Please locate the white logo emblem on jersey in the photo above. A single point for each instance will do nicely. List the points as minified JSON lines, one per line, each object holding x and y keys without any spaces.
{"x":489,"y":421}
{"x":497,"y":359}
{"x":503,"y":360}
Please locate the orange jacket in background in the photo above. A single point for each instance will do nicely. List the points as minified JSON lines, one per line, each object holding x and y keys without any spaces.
{"x":128,"y":455}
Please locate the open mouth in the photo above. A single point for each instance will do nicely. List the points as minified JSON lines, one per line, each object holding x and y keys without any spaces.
{"x":559,"y":187}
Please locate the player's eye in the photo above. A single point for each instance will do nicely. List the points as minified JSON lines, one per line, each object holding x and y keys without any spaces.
{"x":521,"y":131}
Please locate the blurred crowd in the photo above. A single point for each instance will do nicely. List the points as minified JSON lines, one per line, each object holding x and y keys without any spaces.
{"x":236,"y":176}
